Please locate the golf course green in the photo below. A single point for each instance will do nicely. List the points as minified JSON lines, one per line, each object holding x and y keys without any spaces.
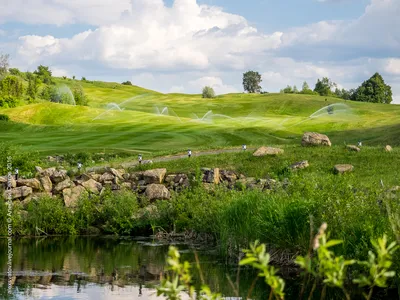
{"x":133,"y":119}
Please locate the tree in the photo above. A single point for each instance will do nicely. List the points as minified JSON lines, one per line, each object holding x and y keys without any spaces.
{"x":208,"y":92}
{"x":11,"y":86}
{"x":15,"y":72}
{"x":44,"y":74}
{"x":251,"y":82}
{"x":295,"y":90}
{"x":127,"y":83}
{"x":374,"y":90}
{"x":324,"y":87}
{"x":4,"y":64}
{"x":288,"y":90}
{"x":79,"y":95}
{"x":33,"y":86}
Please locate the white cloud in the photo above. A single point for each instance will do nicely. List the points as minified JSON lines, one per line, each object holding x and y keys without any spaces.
{"x":60,"y":12}
{"x":187,"y":45}
{"x":215,"y":82}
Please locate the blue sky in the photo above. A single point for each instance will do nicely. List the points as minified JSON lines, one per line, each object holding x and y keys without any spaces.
{"x":182,"y":45}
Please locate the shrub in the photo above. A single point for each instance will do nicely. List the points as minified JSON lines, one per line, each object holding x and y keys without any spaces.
{"x":208,"y":92}
{"x":24,"y":161}
{"x":127,"y":83}
{"x":4,"y":118}
{"x":8,"y":102}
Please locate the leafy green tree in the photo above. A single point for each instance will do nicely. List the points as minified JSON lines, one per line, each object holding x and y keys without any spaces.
{"x":127,"y":83}
{"x":79,"y":95}
{"x":33,"y":86}
{"x":208,"y":92}
{"x":44,"y":74}
{"x":11,"y":86}
{"x":288,"y":90}
{"x":15,"y":72}
{"x":295,"y":90}
{"x":4,"y":63}
{"x":374,"y":90}
{"x":251,"y":82}
{"x":50,"y":93}
{"x":324,"y":87}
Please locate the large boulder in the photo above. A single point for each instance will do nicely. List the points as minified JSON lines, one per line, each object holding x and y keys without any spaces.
{"x":154,"y":176}
{"x":229,"y":176}
{"x":212,"y":176}
{"x":343,"y":168}
{"x":63,"y":185}
{"x":157,"y":192}
{"x":4,"y":181}
{"x":106,"y":177}
{"x":59,"y":176}
{"x":353,"y":148}
{"x":315,"y":139}
{"x":46,"y":172}
{"x":32,"y":183}
{"x":92,"y":186}
{"x":117,"y":173}
{"x":18,"y":192}
{"x":46,"y":183}
{"x":300,"y":165}
{"x":388,"y":148}
{"x":72,"y":195}
{"x":263,"y":151}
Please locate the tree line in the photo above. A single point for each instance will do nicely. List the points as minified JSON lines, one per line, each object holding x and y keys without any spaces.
{"x":17,"y":86}
{"x":372,"y":90}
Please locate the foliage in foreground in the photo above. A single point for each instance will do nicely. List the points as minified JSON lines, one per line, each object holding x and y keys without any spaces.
{"x":322,"y":265}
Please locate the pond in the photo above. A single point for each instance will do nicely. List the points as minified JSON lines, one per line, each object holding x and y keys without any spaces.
{"x":116,"y":268}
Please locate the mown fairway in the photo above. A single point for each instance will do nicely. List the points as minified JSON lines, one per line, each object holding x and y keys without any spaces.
{"x":129,"y":118}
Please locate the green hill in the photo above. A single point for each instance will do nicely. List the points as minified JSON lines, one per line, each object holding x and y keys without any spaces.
{"x":131,"y":118}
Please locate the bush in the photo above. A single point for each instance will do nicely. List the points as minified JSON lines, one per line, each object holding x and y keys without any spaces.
{"x":127,"y":83}
{"x":24,"y":161}
{"x":4,"y":118}
{"x":208,"y":92}
{"x":8,"y":102}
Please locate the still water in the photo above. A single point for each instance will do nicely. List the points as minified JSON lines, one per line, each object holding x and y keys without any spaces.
{"x":103,"y":268}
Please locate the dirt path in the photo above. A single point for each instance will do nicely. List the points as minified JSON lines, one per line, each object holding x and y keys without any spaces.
{"x":182,"y":156}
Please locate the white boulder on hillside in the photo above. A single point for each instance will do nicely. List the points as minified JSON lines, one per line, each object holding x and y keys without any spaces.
{"x":315,"y":139}
{"x":263,"y":151}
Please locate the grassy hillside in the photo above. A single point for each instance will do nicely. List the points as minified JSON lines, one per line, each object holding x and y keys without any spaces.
{"x":131,"y":118}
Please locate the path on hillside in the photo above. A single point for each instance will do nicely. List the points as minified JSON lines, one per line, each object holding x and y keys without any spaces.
{"x":182,"y":156}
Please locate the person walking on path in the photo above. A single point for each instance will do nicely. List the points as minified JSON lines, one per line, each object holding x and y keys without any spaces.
{"x":16,"y":173}
{"x":244,"y":147}
{"x":189,"y":153}
{"x":140,"y":158}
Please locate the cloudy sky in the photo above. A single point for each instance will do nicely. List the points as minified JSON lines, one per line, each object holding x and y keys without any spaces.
{"x":182,"y":45}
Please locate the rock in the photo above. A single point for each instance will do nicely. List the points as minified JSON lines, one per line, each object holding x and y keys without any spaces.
{"x":63,"y":185}
{"x":229,"y":176}
{"x":212,"y":176}
{"x":48,"y":172}
{"x":18,"y":192}
{"x":315,"y":139}
{"x":147,"y":162}
{"x":127,"y":185}
{"x":270,"y":184}
{"x":92,"y":186}
{"x":4,"y":181}
{"x":83,"y":177}
{"x":300,"y":165}
{"x":59,"y":176}
{"x":72,"y":195}
{"x":95,"y":177}
{"x":388,"y":148}
{"x":157,"y":192}
{"x":353,"y":148}
{"x":116,"y":173}
{"x":46,"y":183}
{"x":394,"y":188}
{"x":343,"y":168}
{"x":106,"y":177}
{"x":97,"y":170}
{"x":154,"y":176}
{"x":32,"y":183}
{"x":38,"y":169}
{"x":170,"y":178}
{"x":126,"y":176}
{"x":263,"y":151}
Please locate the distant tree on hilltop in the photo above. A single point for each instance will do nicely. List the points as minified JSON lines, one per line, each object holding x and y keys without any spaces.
{"x":44,"y":74}
{"x":374,"y":90}
{"x":208,"y":92}
{"x":127,"y":83}
{"x":4,"y":63}
{"x":324,"y":86}
{"x":251,"y":82}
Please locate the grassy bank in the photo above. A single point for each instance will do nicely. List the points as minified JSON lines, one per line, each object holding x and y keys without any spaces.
{"x":354,"y":205}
